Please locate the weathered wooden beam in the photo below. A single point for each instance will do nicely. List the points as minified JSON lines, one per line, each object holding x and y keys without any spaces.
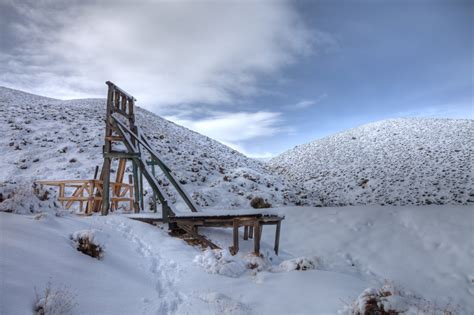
{"x":277,"y":237}
{"x":197,"y":236}
{"x":235,"y":235}
{"x":257,"y":234}
{"x":115,"y":87}
{"x":119,"y":177}
{"x":121,"y":155}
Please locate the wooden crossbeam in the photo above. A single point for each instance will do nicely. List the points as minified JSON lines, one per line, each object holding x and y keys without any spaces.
{"x":189,"y":229}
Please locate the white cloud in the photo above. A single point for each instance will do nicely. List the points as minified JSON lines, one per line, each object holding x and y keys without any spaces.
{"x":307,"y":102}
{"x":163,"y":52}
{"x":232,"y":129}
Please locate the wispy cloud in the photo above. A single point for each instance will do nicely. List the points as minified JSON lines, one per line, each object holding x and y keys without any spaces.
{"x":233,"y":129}
{"x":164,"y":52}
{"x":305,"y":103}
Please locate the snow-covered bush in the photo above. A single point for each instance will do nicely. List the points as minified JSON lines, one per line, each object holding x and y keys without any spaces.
{"x":300,"y":263}
{"x":87,"y":242}
{"x":23,"y":198}
{"x":390,"y":300}
{"x":221,"y":262}
{"x":54,"y":301}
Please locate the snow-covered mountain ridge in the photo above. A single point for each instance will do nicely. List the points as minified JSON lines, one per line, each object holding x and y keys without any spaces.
{"x":406,"y":161}
{"x":44,"y":138}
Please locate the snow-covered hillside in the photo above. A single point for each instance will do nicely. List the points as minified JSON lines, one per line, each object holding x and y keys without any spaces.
{"x":391,"y":162}
{"x":44,"y":138}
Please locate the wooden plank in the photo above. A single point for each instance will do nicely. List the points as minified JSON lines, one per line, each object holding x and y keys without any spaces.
{"x":114,"y":138}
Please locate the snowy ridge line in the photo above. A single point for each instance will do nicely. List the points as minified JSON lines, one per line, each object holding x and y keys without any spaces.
{"x":406,"y":161}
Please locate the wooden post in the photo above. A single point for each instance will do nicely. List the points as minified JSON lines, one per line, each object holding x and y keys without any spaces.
{"x":142,"y":206}
{"x":130,"y":192}
{"x":246,"y":232}
{"x":136,"y":184}
{"x":251,"y":231}
{"x":235,"y":234}
{"x":106,"y":187}
{"x":257,"y":233}
{"x":107,"y":149}
{"x":90,"y":203}
{"x":277,"y":237}
{"x":61,"y":193}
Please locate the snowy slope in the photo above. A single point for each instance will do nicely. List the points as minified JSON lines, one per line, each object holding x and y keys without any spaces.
{"x":421,"y":250}
{"x":391,"y":162}
{"x":44,"y":138}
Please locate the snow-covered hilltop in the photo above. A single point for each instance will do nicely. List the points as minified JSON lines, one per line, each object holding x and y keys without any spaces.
{"x":391,"y":162}
{"x":44,"y":138}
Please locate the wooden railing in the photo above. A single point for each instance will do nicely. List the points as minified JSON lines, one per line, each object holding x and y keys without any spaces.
{"x":84,"y":192}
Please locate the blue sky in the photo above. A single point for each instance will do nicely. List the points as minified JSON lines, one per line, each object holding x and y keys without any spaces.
{"x":262,"y":76}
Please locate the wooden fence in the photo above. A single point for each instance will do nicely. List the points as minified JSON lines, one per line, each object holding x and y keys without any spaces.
{"x":88,"y":193}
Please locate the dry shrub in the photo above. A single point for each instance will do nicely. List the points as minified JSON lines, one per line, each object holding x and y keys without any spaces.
{"x":54,"y":301}
{"x":390,"y":300}
{"x":85,"y":243}
{"x":259,"y":203}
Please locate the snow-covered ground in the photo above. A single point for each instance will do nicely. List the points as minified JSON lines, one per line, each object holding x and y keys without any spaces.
{"x":425,"y":251}
{"x":406,"y":161}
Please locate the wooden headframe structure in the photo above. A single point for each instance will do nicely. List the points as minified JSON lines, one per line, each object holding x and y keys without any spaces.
{"x":125,"y":143}
{"x":121,"y":128}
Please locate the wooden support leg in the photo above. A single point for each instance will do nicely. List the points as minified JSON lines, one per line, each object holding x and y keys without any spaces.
{"x":61,"y":193}
{"x":246,"y":232}
{"x":90,"y":191}
{"x":136,"y":183}
{"x":130,"y":191}
{"x":235,"y":234}
{"x":106,"y":187}
{"x":256,"y":241}
{"x":251,"y":232}
{"x":277,"y":237}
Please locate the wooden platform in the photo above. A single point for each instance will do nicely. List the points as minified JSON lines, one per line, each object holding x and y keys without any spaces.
{"x":251,"y":220}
